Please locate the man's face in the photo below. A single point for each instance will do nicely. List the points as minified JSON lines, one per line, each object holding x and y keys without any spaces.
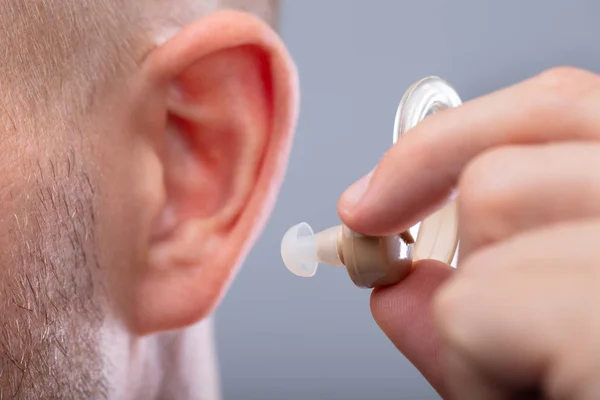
{"x":51,"y":296}
{"x":74,"y":230}
{"x":125,"y":208}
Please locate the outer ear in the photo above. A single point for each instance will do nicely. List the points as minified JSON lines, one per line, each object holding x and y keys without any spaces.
{"x":230,"y":100}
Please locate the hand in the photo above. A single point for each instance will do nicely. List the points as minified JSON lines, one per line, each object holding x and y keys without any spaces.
{"x":520,"y":318}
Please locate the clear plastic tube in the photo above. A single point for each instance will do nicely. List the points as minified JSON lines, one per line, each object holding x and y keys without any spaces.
{"x":437,"y":236}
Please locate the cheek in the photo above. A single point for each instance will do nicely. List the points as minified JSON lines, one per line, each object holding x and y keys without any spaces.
{"x":47,"y":236}
{"x":20,"y":204}
{"x":130,"y":199}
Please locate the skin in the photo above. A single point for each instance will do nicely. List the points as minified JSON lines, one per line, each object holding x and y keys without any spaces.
{"x":121,"y":227}
{"x":517,"y":319}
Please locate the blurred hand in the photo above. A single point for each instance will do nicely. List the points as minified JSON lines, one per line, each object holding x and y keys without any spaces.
{"x":520,"y":318}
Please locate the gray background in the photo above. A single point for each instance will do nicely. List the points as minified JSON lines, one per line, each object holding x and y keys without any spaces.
{"x":284,"y":337}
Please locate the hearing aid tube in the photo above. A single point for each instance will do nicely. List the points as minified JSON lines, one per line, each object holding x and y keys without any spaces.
{"x":438,"y":234}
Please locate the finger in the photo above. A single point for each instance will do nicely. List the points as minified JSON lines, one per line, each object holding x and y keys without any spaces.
{"x":419,"y":172}
{"x":513,"y":189}
{"x":403,"y":312}
{"x":522,"y":318}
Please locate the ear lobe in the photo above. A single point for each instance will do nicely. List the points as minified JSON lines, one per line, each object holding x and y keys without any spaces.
{"x":231,"y":109}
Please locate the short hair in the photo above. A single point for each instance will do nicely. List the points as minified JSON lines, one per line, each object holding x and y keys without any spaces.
{"x":71,"y":48}
{"x":58,"y":58}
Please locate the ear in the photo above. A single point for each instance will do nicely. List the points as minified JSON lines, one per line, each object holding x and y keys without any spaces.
{"x":230,"y":101}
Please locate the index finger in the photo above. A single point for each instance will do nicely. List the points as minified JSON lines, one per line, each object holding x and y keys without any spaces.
{"x":419,"y":173}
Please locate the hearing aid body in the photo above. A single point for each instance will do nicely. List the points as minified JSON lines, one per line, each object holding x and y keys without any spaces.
{"x":381,"y":261}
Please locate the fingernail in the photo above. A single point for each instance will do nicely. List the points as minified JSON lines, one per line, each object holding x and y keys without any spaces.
{"x":355,"y":193}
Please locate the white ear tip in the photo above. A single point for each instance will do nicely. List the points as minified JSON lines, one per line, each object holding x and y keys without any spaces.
{"x":299,"y":250}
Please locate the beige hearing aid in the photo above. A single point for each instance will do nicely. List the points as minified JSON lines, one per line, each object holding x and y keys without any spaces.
{"x":381,"y":261}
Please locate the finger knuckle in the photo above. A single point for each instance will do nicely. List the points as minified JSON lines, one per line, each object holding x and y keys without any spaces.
{"x":565,"y":77}
{"x":563,"y":86}
{"x":483,"y":201}
{"x":480,"y":195}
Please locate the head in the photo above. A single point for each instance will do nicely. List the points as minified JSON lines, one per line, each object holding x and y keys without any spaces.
{"x":143,"y":143}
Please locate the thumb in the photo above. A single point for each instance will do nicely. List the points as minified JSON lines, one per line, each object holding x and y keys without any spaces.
{"x":404,"y":314}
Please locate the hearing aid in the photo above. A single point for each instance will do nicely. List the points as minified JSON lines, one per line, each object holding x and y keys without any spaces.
{"x":381,"y":261}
